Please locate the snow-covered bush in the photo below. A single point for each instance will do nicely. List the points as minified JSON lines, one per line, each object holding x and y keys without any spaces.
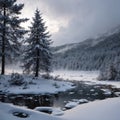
{"x":16,"y":79}
{"x":56,"y":85}
{"x":102,"y":75}
{"x":118,"y":76}
{"x":110,"y":73}
{"x":1,"y":77}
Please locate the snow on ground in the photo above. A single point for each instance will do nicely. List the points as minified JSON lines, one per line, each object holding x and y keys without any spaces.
{"x":70,"y":105}
{"x":11,"y":112}
{"x":50,"y":110}
{"x":106,"y":91}
{"x":76,"y":75}
{"x":75,"y":102}
{"x":90,"y":77}
{"x":34,"y":86}
{"x":108,"y":109}
{"x":83,"y":101}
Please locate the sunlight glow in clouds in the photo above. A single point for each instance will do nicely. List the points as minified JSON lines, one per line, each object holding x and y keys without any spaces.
{"x":72,"y":21}
{"x":53,"y":24}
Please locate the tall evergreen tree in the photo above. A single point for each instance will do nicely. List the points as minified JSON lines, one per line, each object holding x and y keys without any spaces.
{"x":37,"y":56}
{"x":10,"y":30}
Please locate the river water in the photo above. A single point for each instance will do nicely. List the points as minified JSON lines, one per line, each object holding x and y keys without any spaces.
{"x":81,"y":91}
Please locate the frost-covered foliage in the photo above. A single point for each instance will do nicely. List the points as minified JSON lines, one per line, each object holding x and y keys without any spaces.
{"x":92,"y":54}
{"x":37,"y":56}
{"x":10,"y":30}
{"x":16,"y":79}
{"x":112,"y":72}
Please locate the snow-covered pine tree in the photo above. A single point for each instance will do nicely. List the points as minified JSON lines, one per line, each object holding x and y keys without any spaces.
{"x":10,"y":30}
{"x":37,"y":55}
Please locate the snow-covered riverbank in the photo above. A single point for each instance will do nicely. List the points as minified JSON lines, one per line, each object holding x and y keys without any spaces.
{"x":11,"y":112}
{"x":34,"y":86}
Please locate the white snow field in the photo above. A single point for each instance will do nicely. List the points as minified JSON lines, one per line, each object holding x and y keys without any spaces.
{"x":76,"y":75}
{"x":34,"y":86}
{"x":108,"y":109}
{"x":90,"y":77}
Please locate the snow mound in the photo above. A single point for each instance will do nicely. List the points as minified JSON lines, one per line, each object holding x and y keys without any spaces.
{"x":75,"y":102}
{"x":70,"y":105}
{"x":83,"y":101}
{"x":11,"y":112}
{"x":50,"y":110}
{"x":117,"y":94}
{"x":106,"y":91}
{"x":108,"y":109}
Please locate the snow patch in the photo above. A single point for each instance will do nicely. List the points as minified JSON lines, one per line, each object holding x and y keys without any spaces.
{"x":70,"y":105}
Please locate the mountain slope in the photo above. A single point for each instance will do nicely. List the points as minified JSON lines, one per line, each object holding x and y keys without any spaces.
{"x":92,"y":54}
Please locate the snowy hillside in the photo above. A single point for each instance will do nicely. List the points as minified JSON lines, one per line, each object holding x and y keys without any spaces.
{"x":92,"y":54}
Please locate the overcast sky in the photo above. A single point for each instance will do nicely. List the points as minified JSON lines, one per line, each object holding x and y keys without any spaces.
{"x":71,"y":21}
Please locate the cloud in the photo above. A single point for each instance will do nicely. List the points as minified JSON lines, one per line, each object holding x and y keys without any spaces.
{"x":75,"y":20}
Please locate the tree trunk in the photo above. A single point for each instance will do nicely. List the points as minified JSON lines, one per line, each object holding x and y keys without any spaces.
{"x":37,"y":63}
{"x":3,"y":45}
